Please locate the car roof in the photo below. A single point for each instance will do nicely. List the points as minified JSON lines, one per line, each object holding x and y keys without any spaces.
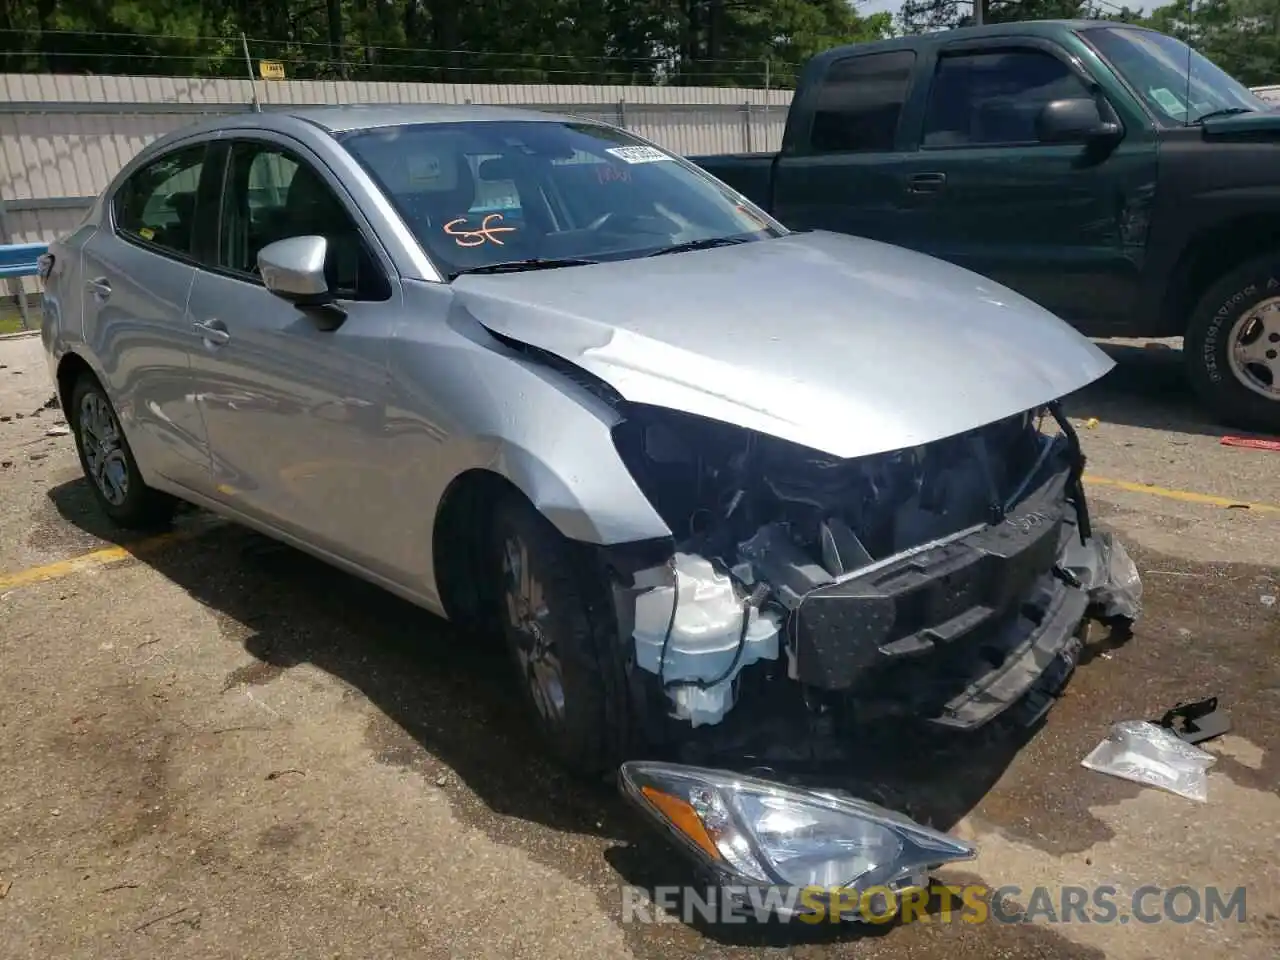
{"x":1020,"y":28}
{"x":340,"y":119}
{"x":366,"y":116}
{"x":335,"y":120}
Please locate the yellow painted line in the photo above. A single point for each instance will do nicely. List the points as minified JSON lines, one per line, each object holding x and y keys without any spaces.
{"x":97,"y":558}
{"x":1185,"y":496}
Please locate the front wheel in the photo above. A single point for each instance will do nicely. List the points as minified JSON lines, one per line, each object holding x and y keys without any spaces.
{"x":561,"y":636}
{"x":1232,"y":345}
{"x":108,"y":461}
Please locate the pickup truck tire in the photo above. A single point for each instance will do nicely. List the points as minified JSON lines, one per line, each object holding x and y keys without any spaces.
{"x":561,"y":635}
{"x":1237,"y":392}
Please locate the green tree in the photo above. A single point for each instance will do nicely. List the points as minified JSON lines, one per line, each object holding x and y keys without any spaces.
{"x":727,"y":42}
{"x":1240,"y":36}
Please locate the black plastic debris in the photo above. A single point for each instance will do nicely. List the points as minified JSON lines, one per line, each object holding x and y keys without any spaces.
{"x":1196,"y":721}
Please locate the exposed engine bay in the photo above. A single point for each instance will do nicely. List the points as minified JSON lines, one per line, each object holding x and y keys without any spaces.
{"x":943,"y":579}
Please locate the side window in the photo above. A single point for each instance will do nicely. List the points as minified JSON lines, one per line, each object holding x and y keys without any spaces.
{"x":157,"y":205}
{"x":993,"y":98}
{"x":859,"y":102}
{"x":272,"y":195}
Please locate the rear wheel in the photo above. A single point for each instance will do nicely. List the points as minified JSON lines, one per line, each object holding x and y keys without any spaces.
{"x":561,"y":635}
{"x":1232,"y":345}
{"x":108,"y":461}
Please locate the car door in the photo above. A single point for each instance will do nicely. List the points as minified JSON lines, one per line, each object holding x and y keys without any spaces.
{"x":295,"y":406}
{"x":841,"y":173}
{"x":1062,"y":223}
{"x":138,"y":268}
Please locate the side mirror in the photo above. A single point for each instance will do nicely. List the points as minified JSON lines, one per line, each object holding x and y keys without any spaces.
{"x":1073,"y":121}
{"x":293,"y":270}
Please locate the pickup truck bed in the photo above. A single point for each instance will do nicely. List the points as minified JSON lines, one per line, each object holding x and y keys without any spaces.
{"x":751,"y":174}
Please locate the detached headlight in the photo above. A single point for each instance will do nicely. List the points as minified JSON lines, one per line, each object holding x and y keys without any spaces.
{"x":760,"y":833}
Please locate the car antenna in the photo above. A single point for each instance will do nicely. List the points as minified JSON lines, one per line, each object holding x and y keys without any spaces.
{"x":248,"y":63}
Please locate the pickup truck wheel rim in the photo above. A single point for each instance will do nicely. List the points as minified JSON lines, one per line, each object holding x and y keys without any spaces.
{"x":535,"y":651}
{"x":103,"y":450}
{"x":1255,"y":348}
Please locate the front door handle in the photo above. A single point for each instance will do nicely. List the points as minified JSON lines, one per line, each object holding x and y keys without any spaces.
{"x":215,"y":332}
{"x":100,"y":287}
{"x":926,"y":182}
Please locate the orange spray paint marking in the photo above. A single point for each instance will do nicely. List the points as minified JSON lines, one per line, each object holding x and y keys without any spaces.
{"x":482,"y":235}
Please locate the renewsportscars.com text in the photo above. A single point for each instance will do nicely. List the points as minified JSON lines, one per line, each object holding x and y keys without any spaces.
{"x":963,"y":903}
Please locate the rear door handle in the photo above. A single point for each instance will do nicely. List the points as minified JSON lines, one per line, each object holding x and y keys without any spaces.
{"x":214,"y":332}
{"x":926,"y":182}
{"x":100,"y":287}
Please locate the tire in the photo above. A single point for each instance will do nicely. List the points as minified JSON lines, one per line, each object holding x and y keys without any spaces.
{"x":1237,"y":396}
{"x":588,"y":728}
{"x":118,"y":486}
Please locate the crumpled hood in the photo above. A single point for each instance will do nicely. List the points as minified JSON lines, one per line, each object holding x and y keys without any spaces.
{"x":844,"y":345}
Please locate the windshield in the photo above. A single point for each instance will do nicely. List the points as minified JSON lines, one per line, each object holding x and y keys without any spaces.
{"x":533,"y":193}
{"x":1156,"y":66}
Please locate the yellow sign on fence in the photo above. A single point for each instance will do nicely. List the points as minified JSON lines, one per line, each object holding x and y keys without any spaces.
{"x":271,"y":69}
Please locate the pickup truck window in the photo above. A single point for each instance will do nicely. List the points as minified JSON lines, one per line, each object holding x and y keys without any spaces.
{"x":986,"y":99}
{"x":859,"y":102}
{"x":1178,"y":84}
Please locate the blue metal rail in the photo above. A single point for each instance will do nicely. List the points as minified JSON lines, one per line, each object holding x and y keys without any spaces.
{"x":19,"y":260}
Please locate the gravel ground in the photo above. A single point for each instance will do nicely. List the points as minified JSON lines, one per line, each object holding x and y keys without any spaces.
{"x":217,"y":747}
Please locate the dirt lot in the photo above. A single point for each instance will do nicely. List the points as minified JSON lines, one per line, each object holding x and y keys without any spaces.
{"x":215,"y":747}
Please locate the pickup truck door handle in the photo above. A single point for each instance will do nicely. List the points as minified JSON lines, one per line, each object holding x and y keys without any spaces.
{"x":926,"y":182}
{"x":215,"y":332}
{"x":101,"y":289}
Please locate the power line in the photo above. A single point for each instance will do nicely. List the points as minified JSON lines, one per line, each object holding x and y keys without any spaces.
{"x":314,"y":44}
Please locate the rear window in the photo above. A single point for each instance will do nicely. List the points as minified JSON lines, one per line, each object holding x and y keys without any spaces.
{"x":860,"y":102}
{"x":157,"y":205}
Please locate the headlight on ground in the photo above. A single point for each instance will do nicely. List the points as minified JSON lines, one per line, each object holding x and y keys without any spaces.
{"x":761,"y":833}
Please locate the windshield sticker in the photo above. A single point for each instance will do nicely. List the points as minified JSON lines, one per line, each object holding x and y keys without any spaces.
{"x":637,"y":154}
{"x":465,"y":236}
{"x":429,"y":172}
{"x":608,"y":173}
{"x":1169,"y":103}
{"x":423,"y":169}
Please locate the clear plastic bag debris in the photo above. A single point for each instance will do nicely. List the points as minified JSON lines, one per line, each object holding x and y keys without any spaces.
{"x":1105,"y":569}
{"x":1151,"y":755}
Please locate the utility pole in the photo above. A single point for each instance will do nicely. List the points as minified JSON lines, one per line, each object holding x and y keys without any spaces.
{"x":979,"y":13}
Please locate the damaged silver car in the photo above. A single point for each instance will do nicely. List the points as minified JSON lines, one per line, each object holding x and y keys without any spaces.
{"x":539,"y":375}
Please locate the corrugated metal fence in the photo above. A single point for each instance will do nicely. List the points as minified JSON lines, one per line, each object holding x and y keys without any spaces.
{"x":63,"y":137}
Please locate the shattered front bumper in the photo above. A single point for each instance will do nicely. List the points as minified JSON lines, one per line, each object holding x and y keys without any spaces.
{"x":956,"y":631}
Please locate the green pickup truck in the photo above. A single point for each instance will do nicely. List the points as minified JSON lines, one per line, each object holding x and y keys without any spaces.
{"x":1108,"y":172}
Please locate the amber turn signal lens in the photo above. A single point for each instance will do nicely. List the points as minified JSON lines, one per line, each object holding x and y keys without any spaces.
{"x":683,"y":817}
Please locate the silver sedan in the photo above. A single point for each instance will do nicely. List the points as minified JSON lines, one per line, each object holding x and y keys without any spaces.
{"x":548,"y":380}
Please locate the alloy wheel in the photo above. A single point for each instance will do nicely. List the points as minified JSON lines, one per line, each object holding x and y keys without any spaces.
{"x":535,"y":649}
{"x":103,"y":446}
